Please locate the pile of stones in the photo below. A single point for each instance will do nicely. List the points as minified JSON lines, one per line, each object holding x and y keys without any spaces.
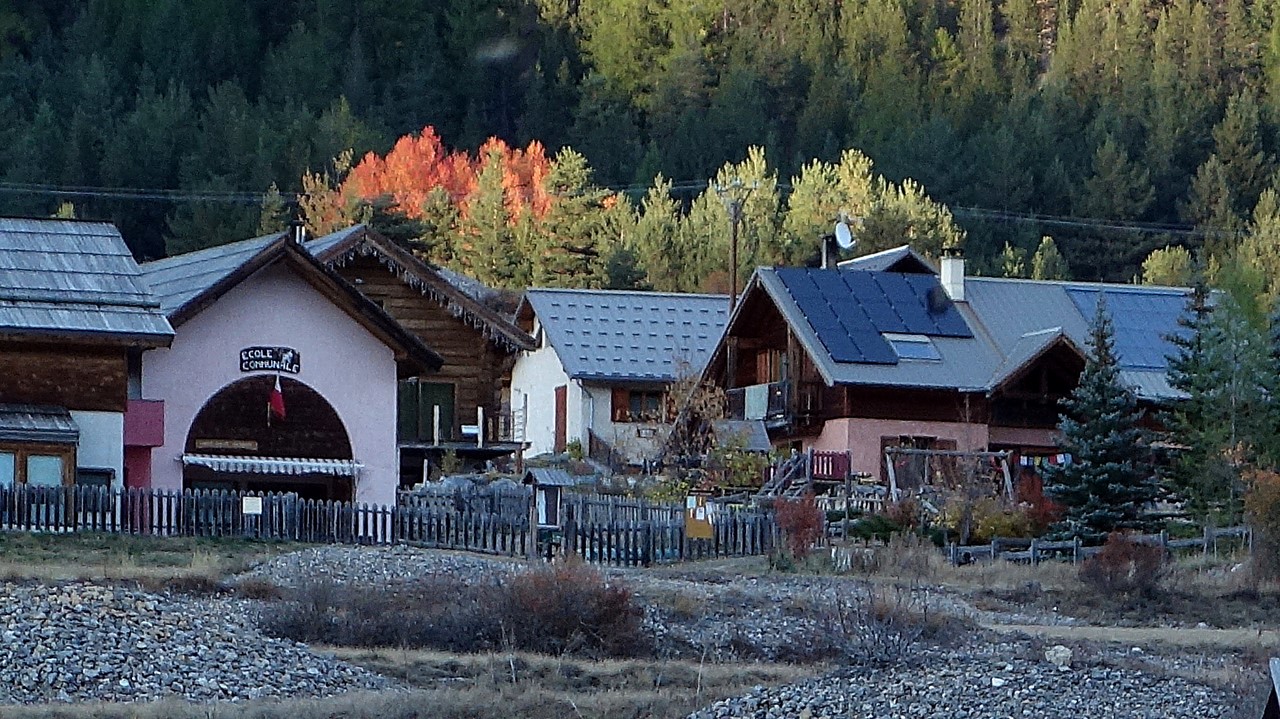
{"x":83,"y":642}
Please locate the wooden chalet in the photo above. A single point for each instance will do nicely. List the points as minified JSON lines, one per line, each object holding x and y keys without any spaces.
{"x":886,"y":360}
{"x":464,"y":407}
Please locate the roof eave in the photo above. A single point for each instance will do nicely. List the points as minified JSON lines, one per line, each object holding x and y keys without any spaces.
{"x":407,"y":262}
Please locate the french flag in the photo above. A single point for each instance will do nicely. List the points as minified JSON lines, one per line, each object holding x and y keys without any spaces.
{"x":275,"y":403}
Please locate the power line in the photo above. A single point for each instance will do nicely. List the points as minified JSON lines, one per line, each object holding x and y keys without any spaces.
{"x":252,"y":197}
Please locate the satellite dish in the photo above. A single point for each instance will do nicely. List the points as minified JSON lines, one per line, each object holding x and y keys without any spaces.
{"x":844,"y":235}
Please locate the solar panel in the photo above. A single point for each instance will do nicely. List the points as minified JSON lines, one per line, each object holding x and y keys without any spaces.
{"x":1141,"y":320}
{"x":849,"y":310}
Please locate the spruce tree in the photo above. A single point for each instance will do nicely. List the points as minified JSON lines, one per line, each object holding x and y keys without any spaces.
{"x":1108,"y":481}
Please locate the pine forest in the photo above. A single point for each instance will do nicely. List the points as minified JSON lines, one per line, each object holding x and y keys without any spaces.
{"x":594,"y":142}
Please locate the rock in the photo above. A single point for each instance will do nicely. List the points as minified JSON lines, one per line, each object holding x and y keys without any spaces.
{"x":997,"y":682}
{"x":1059,"y":656}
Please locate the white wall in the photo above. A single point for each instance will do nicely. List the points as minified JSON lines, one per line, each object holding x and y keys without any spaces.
{"x":624,"y":437}
{"x":101,"y":443}
{"x":534,"y":379}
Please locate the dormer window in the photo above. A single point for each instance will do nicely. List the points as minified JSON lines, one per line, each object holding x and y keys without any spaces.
{"x":913,"y":347}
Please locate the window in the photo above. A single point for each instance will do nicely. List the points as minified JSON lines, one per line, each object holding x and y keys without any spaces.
{"x":635,"y":405}
{"x":8,"y":469}
{"x":44,"y":470}
{"x":94,"y":477}
{"x":44,"y":465}
{"x":913,"y":347}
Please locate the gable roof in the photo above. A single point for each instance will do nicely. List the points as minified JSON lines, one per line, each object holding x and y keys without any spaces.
{"x":616,"y":335}
{"x":463,"y":296}
{"x":1013,"y":322}
{"x":186,"y":284}
{"x":73,"y":278}
{"x":895,"y":259}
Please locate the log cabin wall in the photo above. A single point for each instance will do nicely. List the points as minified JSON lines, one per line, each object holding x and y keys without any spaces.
{"x":919,"y":405}
{"x":79,"y":377}
{"x":472,"y":363}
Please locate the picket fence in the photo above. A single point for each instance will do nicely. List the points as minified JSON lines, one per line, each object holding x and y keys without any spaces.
{"x":601,"y":530}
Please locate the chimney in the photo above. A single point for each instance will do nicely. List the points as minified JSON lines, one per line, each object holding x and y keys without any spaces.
{"x":298,"y":231}
{"x":953,"y":274}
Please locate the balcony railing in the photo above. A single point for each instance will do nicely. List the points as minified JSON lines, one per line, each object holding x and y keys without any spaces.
{"x":767,"y":402}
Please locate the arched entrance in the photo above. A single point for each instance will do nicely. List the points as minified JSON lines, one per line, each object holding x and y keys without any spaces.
{"x":235,"y":442}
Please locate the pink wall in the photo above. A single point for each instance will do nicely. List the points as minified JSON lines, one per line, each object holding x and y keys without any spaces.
{"x":341,"y":360}
{"x":137,"y":467}
{"x":862,"y":436}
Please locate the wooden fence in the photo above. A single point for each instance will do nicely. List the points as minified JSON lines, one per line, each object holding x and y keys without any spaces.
{"x":603,"y":530}
{"x":1038,"y":550}
{"x":627,"y":541}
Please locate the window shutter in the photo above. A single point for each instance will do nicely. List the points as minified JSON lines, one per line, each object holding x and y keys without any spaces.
{"x":620,"y":406}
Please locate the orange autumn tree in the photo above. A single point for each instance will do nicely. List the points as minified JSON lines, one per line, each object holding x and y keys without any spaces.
{"x":499,"y":215}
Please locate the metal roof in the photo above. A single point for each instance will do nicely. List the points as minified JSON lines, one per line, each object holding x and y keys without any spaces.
{"x":1014,"y":321}
{"x":615,"y":335}
{"x":549,"y":477}
{"x":752,"y":433}
{"x":37,"y":423}
{"x":895,"y":259}
{"x":67,"y":276}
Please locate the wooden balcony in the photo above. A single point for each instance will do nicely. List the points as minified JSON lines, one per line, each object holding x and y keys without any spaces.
{"x":767,"y":402}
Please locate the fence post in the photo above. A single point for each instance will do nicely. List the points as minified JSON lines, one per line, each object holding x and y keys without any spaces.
{"x":1075,"y":550}
{"x":1035,"y":558}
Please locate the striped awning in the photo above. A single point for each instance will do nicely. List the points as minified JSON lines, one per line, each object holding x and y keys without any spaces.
{"x":274,"y":465}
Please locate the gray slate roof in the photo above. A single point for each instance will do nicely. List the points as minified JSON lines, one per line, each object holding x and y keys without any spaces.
{"x":37,"y":423}
{"x":179,"y":279}
{"x":72,"y":277}
{"x":1013,"y":322}
{"x":611,"y":335}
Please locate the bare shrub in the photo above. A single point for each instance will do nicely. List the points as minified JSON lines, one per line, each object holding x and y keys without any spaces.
{"x":881,"y":625}
{"x":569,"y":608}
{"x":801,"y":522}
{"x":258,"y":588}
{"x":1262,"y":510}
{"x":1124,"y":568}
{"x":440,"y":613}
{"x":910,"y":557}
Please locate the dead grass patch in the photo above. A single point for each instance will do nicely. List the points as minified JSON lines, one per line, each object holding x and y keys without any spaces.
{"x":451,"y":686}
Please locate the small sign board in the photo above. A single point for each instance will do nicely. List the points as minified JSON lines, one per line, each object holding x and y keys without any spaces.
{"x":270,"y":359}
{"x":251,"y":505}
{"x":697,"y":522}
{"x":244,"y":445}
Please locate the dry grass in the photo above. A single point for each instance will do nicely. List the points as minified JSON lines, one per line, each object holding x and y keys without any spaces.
{"x":491,"y":686}
{"x":155,"y":563}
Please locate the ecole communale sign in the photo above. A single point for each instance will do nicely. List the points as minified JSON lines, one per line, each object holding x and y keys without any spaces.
{"x":270,"y":359}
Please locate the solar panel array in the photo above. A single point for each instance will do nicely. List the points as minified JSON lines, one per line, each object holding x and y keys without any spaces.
{"x":849,"y":309}
{"x":1141,"y":320}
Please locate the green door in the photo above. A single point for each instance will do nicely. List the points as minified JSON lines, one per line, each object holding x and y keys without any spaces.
{"x":415,"y":418}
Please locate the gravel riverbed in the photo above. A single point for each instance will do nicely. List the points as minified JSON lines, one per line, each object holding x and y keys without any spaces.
{"x":82,"y":642}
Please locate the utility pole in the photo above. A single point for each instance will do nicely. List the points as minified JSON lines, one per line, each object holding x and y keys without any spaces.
{"x":734,"y":196}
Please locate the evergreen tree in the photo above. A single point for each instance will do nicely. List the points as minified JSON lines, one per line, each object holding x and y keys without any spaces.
{"x":1013,"y":261}
{"x":1169,"y":266}
{"x":1108,"y":482}
{"x":572,"y":237}
{"x":1047,"y":263}
{"x":487,"y":248}
{"x":1222,"y":365}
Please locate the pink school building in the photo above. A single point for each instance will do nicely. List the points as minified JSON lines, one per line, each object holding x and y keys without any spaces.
{"x":281,"y":377}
